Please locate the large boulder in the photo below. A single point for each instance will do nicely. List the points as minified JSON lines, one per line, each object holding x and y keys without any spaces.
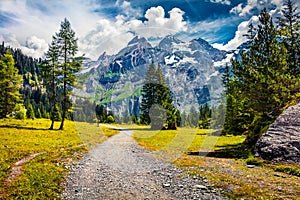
{"x":281,"y":143}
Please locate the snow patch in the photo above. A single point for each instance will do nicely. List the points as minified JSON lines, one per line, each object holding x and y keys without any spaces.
{"x":223,"y":62}
{"x":170,"y":60}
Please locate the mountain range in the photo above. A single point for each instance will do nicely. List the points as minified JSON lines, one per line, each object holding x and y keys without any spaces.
{"x":192,"y":69}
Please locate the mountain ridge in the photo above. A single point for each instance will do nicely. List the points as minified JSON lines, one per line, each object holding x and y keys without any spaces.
{"x":116,"y":80}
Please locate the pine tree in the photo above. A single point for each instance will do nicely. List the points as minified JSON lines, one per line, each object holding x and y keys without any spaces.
{"x":55,"y":113}
{"x":30,"y":112}
{"x":38,"y":114}
{"x":164,"y":98}
{"x":65,"y":43}
{"x":10,"y":83}
{"x":50,"y":72}
{"x":262,"y":81}
{"x":101,"y":113}
{"x":70,"y":64}
{"x":289,"y":31}
{"x":149,"y":94}
{"x":156,"y":106}
{"x":204,"y":116}
{"x":193,"y":117}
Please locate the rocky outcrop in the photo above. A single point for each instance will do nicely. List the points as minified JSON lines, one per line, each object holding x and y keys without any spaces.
{"x":281,"y":143}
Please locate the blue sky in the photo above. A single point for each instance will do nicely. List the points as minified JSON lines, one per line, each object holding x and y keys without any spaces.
{"x":108,"y":25}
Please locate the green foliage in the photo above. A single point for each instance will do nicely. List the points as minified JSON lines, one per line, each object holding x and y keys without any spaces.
{"x":20,"y":112}
{"x":110,"y":119}
{"x":30,"y":112}
{"x":62,"y":61}
{"x":156,"y":107}
{"x":265,"y":78}
{"x":205,"y":117}
{"x":251,"y":160}
{"x":38,"y":114}
{"x":10,"y":83}
{"x":55,"y":113}
{"x":101,"y":113}
{"x":286,"y":168}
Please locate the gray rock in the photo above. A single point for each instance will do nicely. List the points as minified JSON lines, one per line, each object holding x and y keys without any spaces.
{"x":166,"y":184}
{"x":201,"y":187}
{"x":281,"y":143}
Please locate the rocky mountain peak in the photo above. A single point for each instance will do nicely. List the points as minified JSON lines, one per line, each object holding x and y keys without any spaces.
{"x":138,"y":40}
{"x":188,"y":68}
{"x":168,"y":42}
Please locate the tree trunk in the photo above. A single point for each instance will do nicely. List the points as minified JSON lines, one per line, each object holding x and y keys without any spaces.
{"x":64,"y":104}
{"x":52,"y":124}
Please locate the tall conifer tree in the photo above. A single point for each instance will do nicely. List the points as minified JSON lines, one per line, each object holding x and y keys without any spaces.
{"x":69,"y":63}
{"x":261,"y":82}
{"x":50,"y":74}
{"x":10,"y":83}
{"x":157,"y":98}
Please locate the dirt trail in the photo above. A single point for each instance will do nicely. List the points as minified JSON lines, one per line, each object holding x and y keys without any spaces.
{"x":120,"y":169}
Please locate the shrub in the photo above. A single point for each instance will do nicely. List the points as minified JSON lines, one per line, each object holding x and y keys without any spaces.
{"x":20,"y":112}
{"x":251,"y":160}
{"x":110,"y":119}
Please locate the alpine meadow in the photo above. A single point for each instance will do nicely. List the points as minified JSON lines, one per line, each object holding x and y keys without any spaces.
{"x":128,"y":99}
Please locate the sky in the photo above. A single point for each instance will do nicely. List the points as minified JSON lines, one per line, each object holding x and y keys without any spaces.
{"x":108,"y":25}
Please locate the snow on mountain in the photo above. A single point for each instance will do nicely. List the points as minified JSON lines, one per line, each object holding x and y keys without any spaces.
{"x":190,"y":68}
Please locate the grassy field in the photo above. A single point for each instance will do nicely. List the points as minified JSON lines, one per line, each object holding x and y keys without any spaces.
{"x":42,"y":176}
{"x":225,"y":163}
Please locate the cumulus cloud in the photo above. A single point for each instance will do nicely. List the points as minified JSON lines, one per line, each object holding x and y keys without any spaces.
{"x":107,"y":36}
{"x":111,"y":36}
{"x":242,"y":29}
{"x":157,"y":24}
{"x":33,"y":46}
{"x":34,"y":22}
{"x":239,"y":37}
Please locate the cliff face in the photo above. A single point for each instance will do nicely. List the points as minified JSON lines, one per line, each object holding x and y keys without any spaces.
{"x":282,"y":141}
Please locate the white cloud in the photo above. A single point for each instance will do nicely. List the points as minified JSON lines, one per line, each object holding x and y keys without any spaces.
{"x":226,"y":2}
{"x":243,"y":10}
{"x":125,"y":4}
{"x":111,"y":36}
{"x":37,"y":21}
{"x":239,"y":35}
{"x":33,"y":46}
{"x":157,"y":25}
{"x":243,"y":27}
{"x":107,"y":36}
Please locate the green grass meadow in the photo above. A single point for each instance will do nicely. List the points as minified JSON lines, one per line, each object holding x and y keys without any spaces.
{"x":224,"y":163}
{"x":42,"y":176}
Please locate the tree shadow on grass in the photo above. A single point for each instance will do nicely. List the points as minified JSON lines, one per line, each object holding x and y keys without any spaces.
{"x":17,"y":126}
{"x":237,"y":151}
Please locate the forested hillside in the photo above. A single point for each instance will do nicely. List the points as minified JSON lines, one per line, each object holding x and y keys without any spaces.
{"x":32,"y":85}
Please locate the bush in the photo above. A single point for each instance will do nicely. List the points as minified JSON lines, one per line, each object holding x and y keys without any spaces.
{"x":110,"y":119}
{"x":20,"y":112}
{"x":251,"y":160}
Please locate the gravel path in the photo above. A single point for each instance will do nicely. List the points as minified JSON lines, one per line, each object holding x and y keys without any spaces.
{"x":120,"y":169}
